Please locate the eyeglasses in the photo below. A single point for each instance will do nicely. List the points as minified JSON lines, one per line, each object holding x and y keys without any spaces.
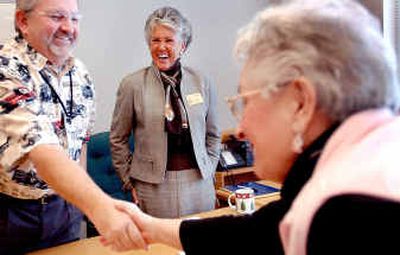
{"x":237,"y":103}
{"x":59,"y":17}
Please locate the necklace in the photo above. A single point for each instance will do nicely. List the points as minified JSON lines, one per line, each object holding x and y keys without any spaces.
{"x":69,"y":114}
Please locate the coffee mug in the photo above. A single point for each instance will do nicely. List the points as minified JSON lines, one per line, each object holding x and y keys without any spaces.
{"x":244,"y":201}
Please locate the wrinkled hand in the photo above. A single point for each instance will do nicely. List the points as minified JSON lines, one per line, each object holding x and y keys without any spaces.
{"x":141,"y":220}
{"x":117,"y":229}
{"x":152,"y":229}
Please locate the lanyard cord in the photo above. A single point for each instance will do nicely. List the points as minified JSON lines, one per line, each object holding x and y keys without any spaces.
{"x":54,"y":92}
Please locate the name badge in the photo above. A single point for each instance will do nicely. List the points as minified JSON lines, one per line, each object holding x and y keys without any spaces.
{"x":194,"y":99}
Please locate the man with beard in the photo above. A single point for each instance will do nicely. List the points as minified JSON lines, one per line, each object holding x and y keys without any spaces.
{"x":46,"y":116}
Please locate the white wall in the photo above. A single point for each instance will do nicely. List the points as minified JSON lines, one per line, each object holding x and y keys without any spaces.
{"x":6,"y":20}
{"x":112,"y":44}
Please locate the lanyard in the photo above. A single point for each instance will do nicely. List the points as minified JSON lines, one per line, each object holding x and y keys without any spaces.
{"x":70,"y":114}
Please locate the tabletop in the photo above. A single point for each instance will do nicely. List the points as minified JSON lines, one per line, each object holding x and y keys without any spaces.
{"x":92,"y":246}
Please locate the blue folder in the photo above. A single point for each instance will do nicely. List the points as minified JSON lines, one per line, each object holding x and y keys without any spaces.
{"x":259,"y":189}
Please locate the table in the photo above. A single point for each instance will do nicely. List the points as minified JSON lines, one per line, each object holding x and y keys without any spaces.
{"x":224,"y":194}
{"x":238,"y":174}
{"x":92,"y":246}
{"x":260,"y":201}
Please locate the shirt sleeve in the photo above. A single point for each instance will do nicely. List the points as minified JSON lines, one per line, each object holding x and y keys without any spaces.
{"x":22,"y":123}
{"x":249,"y":234}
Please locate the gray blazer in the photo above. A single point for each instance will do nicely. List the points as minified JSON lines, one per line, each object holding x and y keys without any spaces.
{"x":139,"y":108}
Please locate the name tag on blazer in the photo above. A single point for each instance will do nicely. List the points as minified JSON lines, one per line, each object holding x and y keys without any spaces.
{"x":194,"y":99}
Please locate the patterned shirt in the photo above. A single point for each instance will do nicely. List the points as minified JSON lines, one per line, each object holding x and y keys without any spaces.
{"x":39,"y":105}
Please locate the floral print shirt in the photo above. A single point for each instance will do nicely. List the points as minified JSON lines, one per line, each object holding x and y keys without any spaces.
{"x":39,"y":105}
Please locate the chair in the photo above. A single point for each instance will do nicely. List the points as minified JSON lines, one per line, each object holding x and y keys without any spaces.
{"x":101,"y":170}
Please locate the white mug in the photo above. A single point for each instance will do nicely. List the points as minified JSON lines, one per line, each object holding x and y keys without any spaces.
{"x":244,"y":201}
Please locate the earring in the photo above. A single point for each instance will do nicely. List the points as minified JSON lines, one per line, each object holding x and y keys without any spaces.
{"x":297,"y":143}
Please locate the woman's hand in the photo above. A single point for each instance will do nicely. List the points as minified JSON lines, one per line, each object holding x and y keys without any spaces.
{"x":153,"y":230}
{"x":117,"y":229}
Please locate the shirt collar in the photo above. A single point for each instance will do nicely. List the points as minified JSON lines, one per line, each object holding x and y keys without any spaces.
{"x":36,"y":59}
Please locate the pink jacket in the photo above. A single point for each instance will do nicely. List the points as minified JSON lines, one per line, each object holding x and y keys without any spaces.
{"x":362,"y":156}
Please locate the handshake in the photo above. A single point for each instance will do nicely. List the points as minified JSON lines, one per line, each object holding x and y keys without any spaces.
{"x":125,"y":227}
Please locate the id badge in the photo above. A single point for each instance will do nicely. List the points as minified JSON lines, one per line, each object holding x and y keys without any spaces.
{"x":194,"y":99}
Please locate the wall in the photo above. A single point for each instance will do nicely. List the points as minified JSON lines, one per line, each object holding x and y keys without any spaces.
{"x":112,"y":44}
{"x":375,"y":6}
{"x":6,"y":20}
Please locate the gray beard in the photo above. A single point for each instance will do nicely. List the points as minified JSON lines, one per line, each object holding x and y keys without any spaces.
{"x":58,"y":51}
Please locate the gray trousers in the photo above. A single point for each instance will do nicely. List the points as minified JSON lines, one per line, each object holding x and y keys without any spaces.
{"x":182,"y":192}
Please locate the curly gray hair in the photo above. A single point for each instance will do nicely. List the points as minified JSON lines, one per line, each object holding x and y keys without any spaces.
{"x":171,"y":17}
{"x":336,"y":44}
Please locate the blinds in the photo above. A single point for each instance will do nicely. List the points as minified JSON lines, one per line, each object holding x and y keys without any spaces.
{"x":396,"y":27}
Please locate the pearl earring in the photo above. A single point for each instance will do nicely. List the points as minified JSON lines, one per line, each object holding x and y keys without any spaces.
{"x":297,"y":143}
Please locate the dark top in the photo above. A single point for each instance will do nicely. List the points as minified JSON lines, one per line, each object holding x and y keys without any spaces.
{"x":180,"y":147}
{"x":355,"y":224}
{"x":256,"y":233}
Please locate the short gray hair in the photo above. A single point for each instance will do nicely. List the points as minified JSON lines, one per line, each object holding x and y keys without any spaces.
{"x":336,"y":44}
{"x":170,"y":17}
{"x":26,"y":6}
{"x":29,"y":5}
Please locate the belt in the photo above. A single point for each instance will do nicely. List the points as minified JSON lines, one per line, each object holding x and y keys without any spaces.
{"x":42,"y":201}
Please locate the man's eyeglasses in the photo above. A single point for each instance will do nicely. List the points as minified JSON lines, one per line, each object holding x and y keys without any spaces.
{"x":59,"y":17}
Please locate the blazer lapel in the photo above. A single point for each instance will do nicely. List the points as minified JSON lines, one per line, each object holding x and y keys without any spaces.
{"x":154,"y":99}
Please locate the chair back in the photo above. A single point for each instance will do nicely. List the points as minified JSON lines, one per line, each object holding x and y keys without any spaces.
{"x":100,"y":167}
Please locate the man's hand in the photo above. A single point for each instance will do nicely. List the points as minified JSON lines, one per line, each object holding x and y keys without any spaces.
{"x":152,"y":229}
{"x":75,"y":185}
{"x":117,"y":229}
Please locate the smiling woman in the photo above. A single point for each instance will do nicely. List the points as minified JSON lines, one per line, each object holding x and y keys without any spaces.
{"x":171,"y":173}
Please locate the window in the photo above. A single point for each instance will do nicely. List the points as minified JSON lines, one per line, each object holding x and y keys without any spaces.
{"x":391,"y":24}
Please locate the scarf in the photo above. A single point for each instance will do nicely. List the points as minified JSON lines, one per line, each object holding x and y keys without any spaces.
{"x":176,"y":120}
{"x":361,"y":157}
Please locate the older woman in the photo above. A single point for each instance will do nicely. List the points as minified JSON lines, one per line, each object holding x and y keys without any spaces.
{"x":171,"y":110}
{"x":311,"y":69}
